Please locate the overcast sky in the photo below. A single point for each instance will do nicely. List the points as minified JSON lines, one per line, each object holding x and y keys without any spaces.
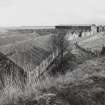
{"x":51,"y":12}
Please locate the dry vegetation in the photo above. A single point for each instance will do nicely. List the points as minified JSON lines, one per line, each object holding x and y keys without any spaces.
{"x":26,"y":50}
{"x":84,"y":85}
{"x":95,"y":42}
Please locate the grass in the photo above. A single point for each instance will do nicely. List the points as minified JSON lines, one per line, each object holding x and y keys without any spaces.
{"x":46,"y":31}
{"x":24,"y":53}
{"x":94,"y":42}
{"x":84,"y":85}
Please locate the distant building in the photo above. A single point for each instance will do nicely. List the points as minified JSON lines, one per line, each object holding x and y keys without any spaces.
{"x":75,"y":31}
{"x":103,"y":28}
{"x":74,"y":27}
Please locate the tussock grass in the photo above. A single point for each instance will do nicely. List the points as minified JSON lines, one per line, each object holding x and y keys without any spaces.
{"x":61,"y":90}
{"x":13,"y":93}
{"x":72,"y":88}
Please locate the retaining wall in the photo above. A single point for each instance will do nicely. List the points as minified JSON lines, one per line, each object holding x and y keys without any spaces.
{"x":33,"y":75}
{"x":84,"y":34}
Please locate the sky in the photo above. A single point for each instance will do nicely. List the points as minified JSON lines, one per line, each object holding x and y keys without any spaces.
{"x":51,"y":12}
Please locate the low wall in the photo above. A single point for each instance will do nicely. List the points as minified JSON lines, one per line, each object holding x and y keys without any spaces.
{"x":75,"y":36}
{"x":33,"y":75}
